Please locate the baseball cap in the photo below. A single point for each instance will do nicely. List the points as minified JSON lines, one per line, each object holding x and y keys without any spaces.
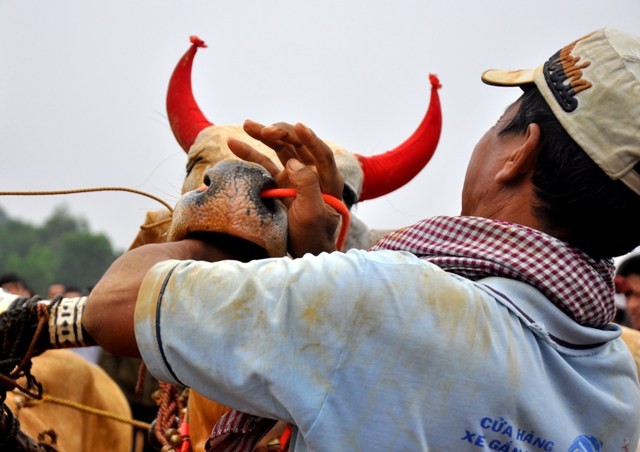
{"x":593,"y":88}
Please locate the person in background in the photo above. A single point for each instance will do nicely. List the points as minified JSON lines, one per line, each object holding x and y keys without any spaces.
{"x":72,"y":292}
{"x":628,"y":284}
{"x":15,"y":284}
{"x":55,"y":289}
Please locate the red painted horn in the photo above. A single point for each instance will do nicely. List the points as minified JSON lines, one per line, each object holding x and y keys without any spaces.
{"x":387,"y":172}
{"x":185,"y":117}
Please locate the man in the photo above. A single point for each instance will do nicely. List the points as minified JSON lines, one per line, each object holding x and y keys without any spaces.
{"x":488,"y":330}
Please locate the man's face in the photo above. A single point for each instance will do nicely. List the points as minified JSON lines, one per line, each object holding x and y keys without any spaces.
{"x":487,"y":156}
{"x":632,"y":294}
{"x":55,"y":289}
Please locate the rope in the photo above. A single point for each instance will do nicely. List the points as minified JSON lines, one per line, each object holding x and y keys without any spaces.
{"x":81,"y":407}
{"x":16,"y":362}
{"x":19,"y":316}
{"x":11,"y":427}
{"x":16,"y":323}
{"x":84,"y":190}
{"x":155,"y":223}
{"x":166,"y":426}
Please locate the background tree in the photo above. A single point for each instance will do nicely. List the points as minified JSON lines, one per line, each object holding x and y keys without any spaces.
{"x":62,"y":249}
{"x":83,"y":258}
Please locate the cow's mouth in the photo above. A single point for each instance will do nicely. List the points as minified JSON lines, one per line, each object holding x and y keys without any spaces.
{"x":242,"y":249}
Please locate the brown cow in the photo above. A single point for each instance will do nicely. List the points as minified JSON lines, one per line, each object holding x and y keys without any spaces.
{"x":229,"y":203}
{"x":68,"y":376}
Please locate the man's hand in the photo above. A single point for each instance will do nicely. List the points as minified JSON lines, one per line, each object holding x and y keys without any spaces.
{"x":310,"y":168}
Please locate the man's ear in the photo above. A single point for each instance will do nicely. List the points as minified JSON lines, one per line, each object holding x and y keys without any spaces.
{"x":522,"y":157}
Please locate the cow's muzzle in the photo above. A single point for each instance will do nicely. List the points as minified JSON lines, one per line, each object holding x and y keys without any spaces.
{"x":229,"y":203}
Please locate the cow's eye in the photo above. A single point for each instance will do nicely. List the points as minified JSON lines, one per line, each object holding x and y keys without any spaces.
{"x":348,"y":196}
{"x":191,"y":164}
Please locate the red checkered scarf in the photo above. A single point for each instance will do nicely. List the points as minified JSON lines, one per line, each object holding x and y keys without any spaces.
{"x":475,"y":248}
{"x":236,"y":431}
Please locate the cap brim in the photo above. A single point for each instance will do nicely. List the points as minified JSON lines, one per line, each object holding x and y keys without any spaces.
{"x":498,"y":77}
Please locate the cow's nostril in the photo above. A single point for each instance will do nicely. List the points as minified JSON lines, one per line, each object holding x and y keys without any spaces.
{"x":207,"y":180}
{"x":270,"y":204}
{"x":268,"y":201}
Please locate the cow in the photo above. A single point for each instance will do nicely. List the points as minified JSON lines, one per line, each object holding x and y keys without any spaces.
{"x":366,"y":177}
{"x":221,"y":194}
{"x":70,"y":378}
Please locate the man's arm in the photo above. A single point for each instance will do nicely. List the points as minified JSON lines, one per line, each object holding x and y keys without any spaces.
{"x":309,"y":168}
{"x":108,"y":316}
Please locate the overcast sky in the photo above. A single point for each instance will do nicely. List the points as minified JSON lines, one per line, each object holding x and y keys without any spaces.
{"x":83,"y":85}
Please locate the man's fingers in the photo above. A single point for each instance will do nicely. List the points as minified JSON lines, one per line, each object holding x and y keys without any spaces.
{"x":294,"y":135}
{"x":324,"y":161}
{"x":281,"y":131}
{"x":272,"y":136}
{"x":312,"y":224}
{"x":308,"y":201}
{"x":246,"y":152}
{"x":286,"y":143}
{"x":295,"y":142}
{"x":304,"y":180}
{"x":254,"y":130}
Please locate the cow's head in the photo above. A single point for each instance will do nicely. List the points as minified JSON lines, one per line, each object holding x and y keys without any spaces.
{"x":221,"y":193}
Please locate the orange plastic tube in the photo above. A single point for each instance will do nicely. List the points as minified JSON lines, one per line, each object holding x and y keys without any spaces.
{"x":331,"y":200}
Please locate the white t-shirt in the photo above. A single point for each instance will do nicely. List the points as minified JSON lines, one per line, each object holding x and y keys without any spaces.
{"x":381,"y":351}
